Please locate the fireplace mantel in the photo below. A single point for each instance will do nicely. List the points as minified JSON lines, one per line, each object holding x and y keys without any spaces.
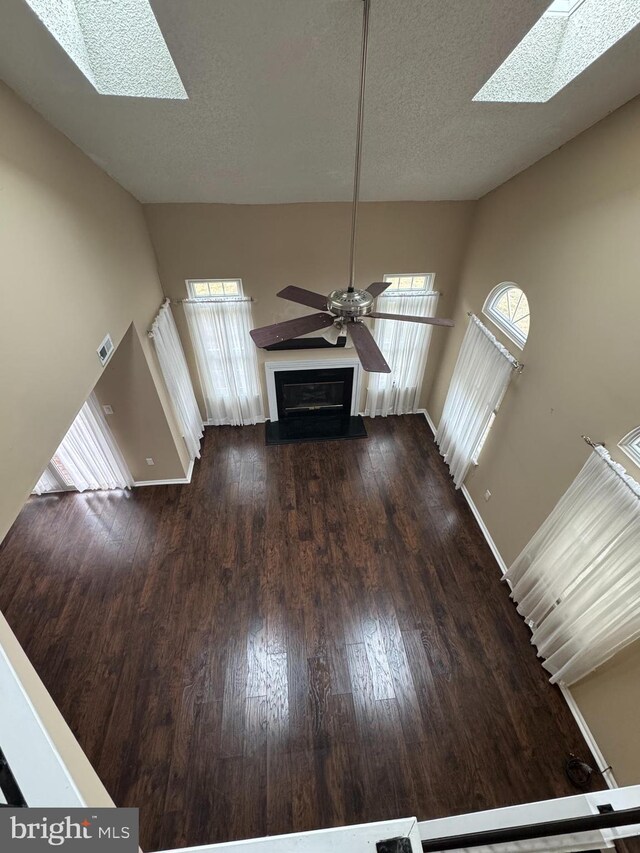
{"x":273,"y":367}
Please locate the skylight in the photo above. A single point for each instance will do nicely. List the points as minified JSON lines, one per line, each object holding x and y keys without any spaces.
{"x":563,"y":7}
{"x":118,"y":46}
{"x":568,"y":38}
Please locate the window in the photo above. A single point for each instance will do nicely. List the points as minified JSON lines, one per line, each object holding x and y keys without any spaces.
{"x":575,"y":582}
{"x":87,"y":458}
{"x":61,"y":471}
{"x":630,"y":444}
{"x":49,"y":482}
{"x":480,"y":380}
{"x":562,"y":7}
{"x":409,"y":283}
{"x":215,"y":287}
{"x":225,"y":355}
{"x":508,"y":307}
{"x":404,"y":345}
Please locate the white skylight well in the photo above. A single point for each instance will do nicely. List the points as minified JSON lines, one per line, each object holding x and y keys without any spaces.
{"x":118,"y":46}
{"x":568,"y":38}
{"x":563,"y":7}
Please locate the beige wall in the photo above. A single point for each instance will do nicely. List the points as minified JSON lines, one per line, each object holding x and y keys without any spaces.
{"x":75,"y":263}
{"x":566,"y":231}
{"x":610,"y":698}
{"x":137,"y":423}
{"x":271,"y":246}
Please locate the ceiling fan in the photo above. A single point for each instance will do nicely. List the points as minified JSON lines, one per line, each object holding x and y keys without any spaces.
{"x":343,"y":310}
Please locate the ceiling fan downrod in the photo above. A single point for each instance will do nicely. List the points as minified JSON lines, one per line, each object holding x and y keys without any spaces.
{"x":356,"y":174}
{"x":344,"y":310}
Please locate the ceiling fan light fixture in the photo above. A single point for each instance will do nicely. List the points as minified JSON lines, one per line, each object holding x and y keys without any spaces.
{"x":333,"y":333}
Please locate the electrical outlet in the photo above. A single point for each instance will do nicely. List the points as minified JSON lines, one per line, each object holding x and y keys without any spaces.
{"x":487,"y":495}
{"x":107,"y":410}
{"x":149,"y":461}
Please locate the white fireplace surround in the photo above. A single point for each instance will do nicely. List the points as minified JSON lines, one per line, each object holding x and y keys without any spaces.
{"x":273,"y":367}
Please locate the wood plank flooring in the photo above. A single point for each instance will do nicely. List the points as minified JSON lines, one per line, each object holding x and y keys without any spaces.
{"x":305,"y":636}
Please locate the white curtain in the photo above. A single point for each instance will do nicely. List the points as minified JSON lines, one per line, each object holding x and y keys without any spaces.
{"x":479,"y":382}
{"x":577,"y":582}
{"x":226,"y":358}
{"x":48,"y":482}
{"x":173,"y":365}
{"x":405,"y":347}
{"x":89,"y":453}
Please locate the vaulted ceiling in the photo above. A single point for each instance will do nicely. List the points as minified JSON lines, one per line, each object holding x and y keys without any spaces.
{"x":272,"y":88}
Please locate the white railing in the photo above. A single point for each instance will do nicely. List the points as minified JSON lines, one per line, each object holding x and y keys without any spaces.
{"x":361,"y":838}
{"x":544,"y":812}
{"x":467,"y":830}
{"x":46,"y":760}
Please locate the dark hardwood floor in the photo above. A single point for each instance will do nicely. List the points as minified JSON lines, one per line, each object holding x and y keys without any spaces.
{"x":306,"y":636}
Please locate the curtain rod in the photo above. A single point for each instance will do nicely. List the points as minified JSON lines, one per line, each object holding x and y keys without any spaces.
{"x":517,"y":365}
{"x":618,"y":469}
{"x":592,"y":443}
{"x":396,"y":294}
{"x":196,"y":300}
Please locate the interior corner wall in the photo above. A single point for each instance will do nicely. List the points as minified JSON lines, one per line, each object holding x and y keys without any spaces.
{"x":566,"y":231}
{"x":137,"y":422}
{"x":76,"y":263}
{"x":271,"y":246}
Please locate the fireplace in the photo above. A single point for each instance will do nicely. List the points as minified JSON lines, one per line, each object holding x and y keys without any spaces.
{"x":312,"y":403}
{"x":314,"y":393}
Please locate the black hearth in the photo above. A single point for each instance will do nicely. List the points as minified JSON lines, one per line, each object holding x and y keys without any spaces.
{"x":314,"y":405}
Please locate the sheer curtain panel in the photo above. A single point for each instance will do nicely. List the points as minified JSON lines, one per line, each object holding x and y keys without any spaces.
{"x":479,"y":382}
{"x":46,"y":483}
{"x":577,"y":582}
{"x":173,"y":365}
{"x":405,"y":347}
{"x":226,"y":358}
{"x":89,"y":453}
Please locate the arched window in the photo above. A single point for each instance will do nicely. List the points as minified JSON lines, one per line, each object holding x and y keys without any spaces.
{"x":631,"y":445}
{"x":508,"y":307}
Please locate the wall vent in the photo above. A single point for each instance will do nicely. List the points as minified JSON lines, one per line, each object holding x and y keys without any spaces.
{"x":105,"y":350}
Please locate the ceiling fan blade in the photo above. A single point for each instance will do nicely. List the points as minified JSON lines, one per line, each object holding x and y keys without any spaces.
{"x":304,"y":297}
{"x":368,"y":351}
{"x":267,"y":335}
{"x":431,"y":321}
{"x":378,"y":287}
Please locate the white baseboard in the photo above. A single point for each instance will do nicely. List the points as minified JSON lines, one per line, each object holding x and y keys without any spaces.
{"x":428,"y":419}
{"x":211,"y":423}
{"x":485,"y":530}
{"x":180,"y":481}
{"x":474,"y":509}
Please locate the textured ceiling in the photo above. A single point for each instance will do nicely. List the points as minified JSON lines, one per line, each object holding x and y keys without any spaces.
{"x":272,"y":88}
